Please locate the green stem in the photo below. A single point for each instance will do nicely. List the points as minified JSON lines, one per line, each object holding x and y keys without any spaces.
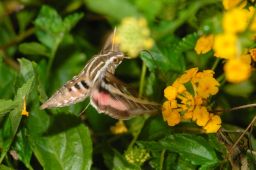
{"x":136,"y":135}
{"x":162,"y":159}
{"x":18,"y":38}
{"x":142,"y":78}
{"x":215,"y":64}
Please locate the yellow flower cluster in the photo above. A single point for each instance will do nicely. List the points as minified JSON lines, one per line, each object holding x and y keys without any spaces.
{"x":137,"y":155}
{"x":133,"y":35}
{"x":229,"y":44}
{"x":119,"y":128}
{"x":187,"y":98}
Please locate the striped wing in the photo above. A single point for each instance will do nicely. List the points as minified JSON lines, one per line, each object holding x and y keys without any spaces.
{"x":112,"y":97}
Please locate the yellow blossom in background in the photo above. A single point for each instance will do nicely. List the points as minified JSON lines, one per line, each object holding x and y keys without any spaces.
{"x":229,"y":4}
{"x":133,"y":35}
{"x":235,"y":20}
{"x":24,"y":109}
{"x":237,"y":71}
{"x":251,"y":14}
{"x":246,"y":58}
{"x":204,"y":44}
{"x":213,"y":124}
{"x":119,"y":128}
{"x":225,"y":46}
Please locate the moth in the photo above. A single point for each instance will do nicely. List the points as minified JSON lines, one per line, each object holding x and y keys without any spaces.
{"x":107,"y":94}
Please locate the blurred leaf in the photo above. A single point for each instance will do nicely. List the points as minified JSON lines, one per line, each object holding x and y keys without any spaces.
{"x":24,"y":19}
{"x":243,"y":89}
{"x":6,"y":105}
{"x":7,"y":79}
{"x":149,"y":8}
{"x":187,"y":43}
{"x":193,"y":148}
{"x":33,"y":48}
{"x":3,"y":167}
{"x":115,"y":9}
{"x":51,"y":28}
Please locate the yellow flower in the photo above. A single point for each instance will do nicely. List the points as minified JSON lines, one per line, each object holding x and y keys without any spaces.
{"x":237,"y":71}
{"x":225,"y":46}
{"x":235,"y":20}
{"x":204,"y":44}
{"x":246,"y":58}
{"x":201,"y":115}
{"x":228,"y":4}
{"x":170,"y":93}
{"x":253,"y":54}
{"x":174,"y":118}
{"x":207,"y":86}
{"x":189,"y":74}
{"x":251,"y":14}
{"x":213,"y":124}
{"x":166,"y":109}
{"x":133,"y":36}
{"x":170,"y":115}
{"x":24,"y":110}
{"x":119,"y":128}
{"x":187,"y":115}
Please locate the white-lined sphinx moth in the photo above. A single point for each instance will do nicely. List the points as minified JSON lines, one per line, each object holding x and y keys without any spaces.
{"x":107,"y":94}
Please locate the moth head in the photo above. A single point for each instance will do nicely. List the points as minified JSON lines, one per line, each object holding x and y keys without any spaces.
{"x":117,"y":58}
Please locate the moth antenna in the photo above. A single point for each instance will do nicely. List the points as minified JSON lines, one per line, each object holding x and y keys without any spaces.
{"x":84,"y":109}
{"x":113,"y":39}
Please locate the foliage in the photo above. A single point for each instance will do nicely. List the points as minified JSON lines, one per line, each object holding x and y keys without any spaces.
{"x":44,"y":45}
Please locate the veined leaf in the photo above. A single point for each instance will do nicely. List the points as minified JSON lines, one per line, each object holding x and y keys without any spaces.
{"x":70,"y":149}
{"x":192,"y":148}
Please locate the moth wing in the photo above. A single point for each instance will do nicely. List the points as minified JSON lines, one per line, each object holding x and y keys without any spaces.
{"x":115,"y":100}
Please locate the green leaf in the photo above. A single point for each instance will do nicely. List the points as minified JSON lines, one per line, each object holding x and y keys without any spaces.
{"x":71,"y":20}
{"x":3,"y":167}
{"x":7,"y":79}
{"x":26,"y":68}
{"x":33,"y":48}
{"x":115,"y":9}
{"x":120,"y":163}
{"x":243,"y":89}
{"x":193,"y":148}
{"x":187,"y":43}
{"x":70,"y":149}
{"x":51,"y":28}
{"x":22,"y":147}
{"x":149,"y":8}
{"x":7,"y":105}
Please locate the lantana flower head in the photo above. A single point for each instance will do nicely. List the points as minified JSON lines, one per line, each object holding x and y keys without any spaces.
{"x":184,"y":104}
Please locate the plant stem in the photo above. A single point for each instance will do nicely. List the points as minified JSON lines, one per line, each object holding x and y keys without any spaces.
{"x":142,"y":78}
{"x":18,"y":38}
{"x":215,"y":64}
{"x":162,"y":159}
